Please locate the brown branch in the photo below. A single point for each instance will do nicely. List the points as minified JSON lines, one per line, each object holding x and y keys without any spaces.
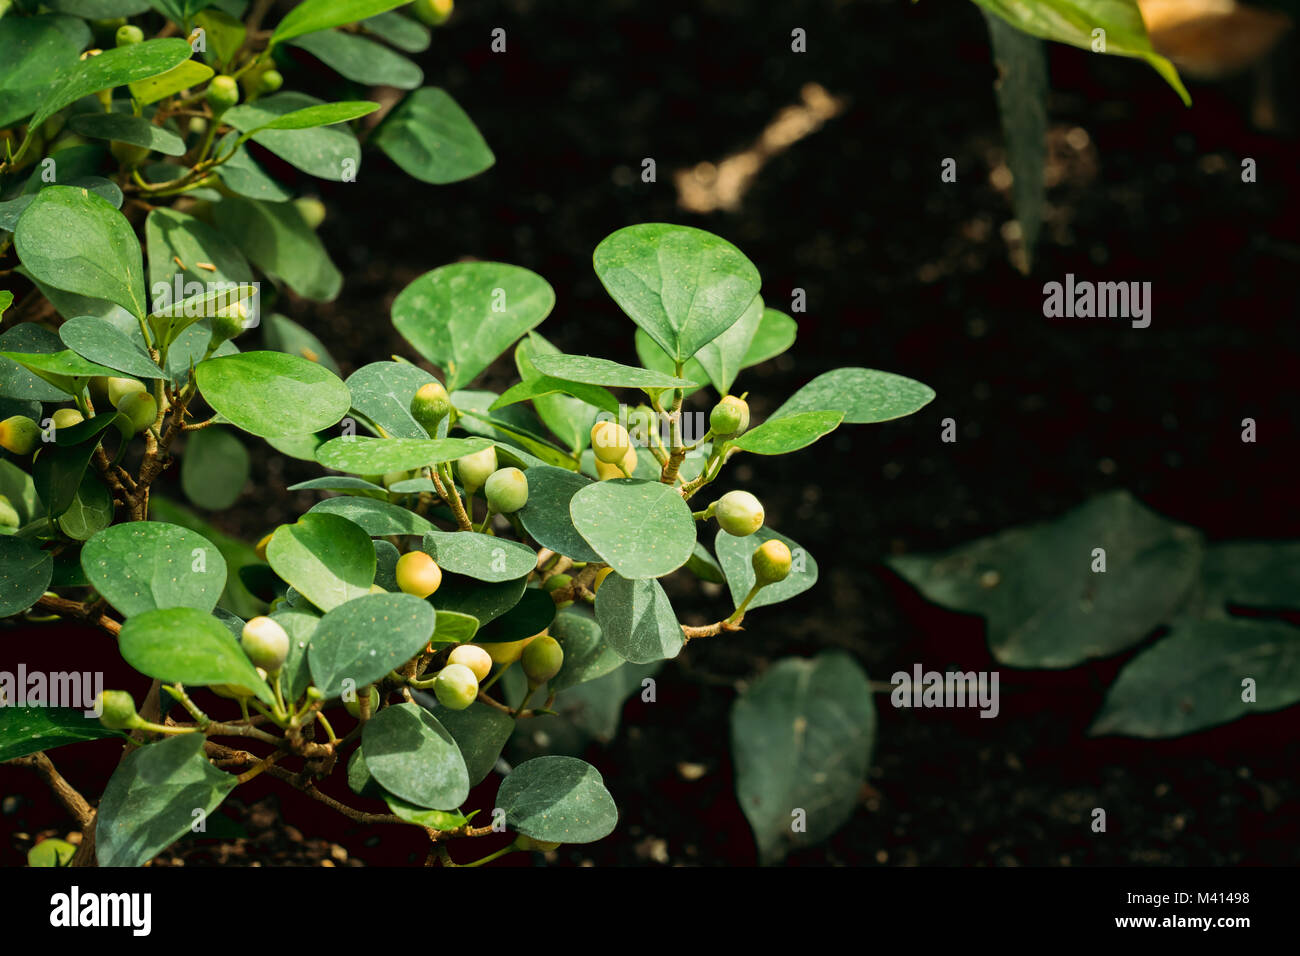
{"x":690,"y":632}
{"x":72,"y":801}
{"x":75,"y":609}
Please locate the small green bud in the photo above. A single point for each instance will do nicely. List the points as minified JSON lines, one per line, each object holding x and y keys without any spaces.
{"x":19,"y":434}
{"x":119,"y":388}
{"x":117,"y":710}
{"x":269,"y":82}
{"x":229,"y":321}
{"x":557,"y":581}
{"x":8,"y":516}
{"x":266,"y":643}
{"x":739,"y":513}
{"x":542,"y":659}
{"x":417,"y":573}
{"x":539,"y":846}
{"x":140,"y":408}
{"x":456,"y":687}
{"x":430,"y":406}
{"x":353,"y":706}
{"x":730,"y":417}
{"x":474,"y":469}
{"x":771,"y":561}
{"x":129,"y":35}
{"x":507,"y":490}
{"x":474,"y":657}
{"x":66,"y":418}
{"x":433,"y":13}
{"x":609,"y":442}
{"x":312,"y":211}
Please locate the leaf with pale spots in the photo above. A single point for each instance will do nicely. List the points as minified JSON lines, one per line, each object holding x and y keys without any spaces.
{"x":144,"y":565}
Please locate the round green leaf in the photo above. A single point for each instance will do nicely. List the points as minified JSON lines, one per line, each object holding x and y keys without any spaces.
{"x":214,"y":468}
{"x":481,"y":600}
{"x":637,"y":619}
{"x":327,"y":558}
{"x":546,"y":516}
{"x":432,"y":139}
{"x":642,"y":529}
{"x":779,"y":436}
{"x":123,"y":128}
{"x":455,"y":627}
{"x":480,"y":556}
{"x":560,"y":799}
{"x":272,"y":394}
{"x":735,"y":554}
{"x":723,"y":358}
{"x":599,"y":371}
{"x":374,"y":517}
{"x":189,"y":646}
{"x":532,"y":614}
{"x":481,"y":733}
{"x":25,"y":730}
{"x":91,"y":510}
{"x":684,"y":286}
{"x":25,"y":573}
{"x":586,"y":655}
{"x":776,"y":333}
{"x":273,"y":234}
{"x":413,"y":756}
{"x":326,"y":152}
{"x":382,"y":391}
{"x":864,"y":395}
{"x":365,"y":638}
{"x":376,"y":456}
{"x":462,"y":316}
{"x":143,"y":565}
{"x":117,"y":67}
{"x":361,"y":60}
{"x":101,"y":342}
{"x":312,"y":15}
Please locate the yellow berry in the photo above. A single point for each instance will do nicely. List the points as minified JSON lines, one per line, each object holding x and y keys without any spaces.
{"x":474,"y":657}
{"x":417,"y":573}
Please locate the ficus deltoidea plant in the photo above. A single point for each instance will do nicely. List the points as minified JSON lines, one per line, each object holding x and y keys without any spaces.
{"x":476,"y":561}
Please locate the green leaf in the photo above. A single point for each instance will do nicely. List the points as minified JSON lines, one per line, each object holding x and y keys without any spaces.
{"x":237,"y":554}
{"x":684,"y":286}
{"x":431,"y":139}
{"x":454,"y":627}
{"x":776,"y":333}
{"x":1021,"y":87}
{"x":377,"y":456}
{"x":91,"y":510}
{"x":736,"y":554}
{"x":1044,"y":604}
{"x":279,"y":242}
{"x":142,"y":565}
{"x":705,"y":566}
{"x":17,"y":382}
{"x":570,"y":413}
{"x":642,"y":529}
{"x":637,"y":619}
{"x":340,"y":483}
{"x":214,"y":468}
{"x":313,"y":15}
{"x":180,"y":77}
{"x":1196,"y":677}
{"x":802,"y":737}
{"x":481,"y":733}
{"x":58,"y":470}
{"x":300,"y":625}
{"x":188,"y":646}
{"x":536,"y":449}
{"x":328,"y":559}
{"x":599,"y":371}
{"x":25,"y":573}
{"x":225,"y":34}
{"x":413,"y":756}
{"x":481,"y":600}
{"x":435,"y":819}
{"x":864,"y":395}
{"x":364,"y":639}
{"x":779,"y":436}
{"x":326,"y":152}
{"x":1256,"y":574}
{"x":462,"y":316}
{"x":36,"y":54}
{"x":25,"y":730}
{"x":374,"y":517}
{"x":51,"y":852}
{"x":361,"y":60}
{"x":401,"y":31}
{"x":73,"y":239}
{"x":101,"y":343}
{"x":18,"y":487}
{"x":272,"y":394}
{"x":723,"y":358}
{"x":480,"y":556}
{"x":171,"y":236}
{"x":560,"y":799}
{"x":546,"y":516}
{"x":117,"y":67}
{"x":587,"y":657}
{"x":533,"y":614}
{"x":65,"y":370}
{"x":382,"y":391}
{"x":151,"y":798}
{"x":282,"y":334}
{"x":244,"y":176}
{"x":121,"y":128}
{"x":1073,"y":22}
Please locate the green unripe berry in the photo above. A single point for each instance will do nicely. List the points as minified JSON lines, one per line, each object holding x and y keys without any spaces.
{"x":474,"y":469}
{"x":540,"y":846}
{"x":730,"y":417}
{"x":557,"y":581}
{"x":19,"y":434}
{"x":222,"y":94}
{"x":434,"y":13}
{"x":609,"y":442}
{"x":269,"y":82}
{"x":312,"y":211}
{"x":128,"y":154}
{"x":390,"y":478}
{"x":542,"y":659}
{"x":353,"y":706}
{"x":129,"y":35}
{"x":430,"y":406}
{"x":474,"y":657}
{"x":266,"y":643}
{"x":228,"y":323}
{"x":66,"y":418}
{"x":771,"y":561}
{"x":8,"y":516}
{"x":456,"y":687}
{"x":119,"y":388}
{"x":739,"y":513}
{"x":506,"y":490}
{"x":140,"y":409}
{"x":417,"y":573}
{"x":117,"y":710}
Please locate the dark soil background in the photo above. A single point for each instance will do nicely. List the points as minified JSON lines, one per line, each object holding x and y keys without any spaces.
{"x":903,"y":273}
